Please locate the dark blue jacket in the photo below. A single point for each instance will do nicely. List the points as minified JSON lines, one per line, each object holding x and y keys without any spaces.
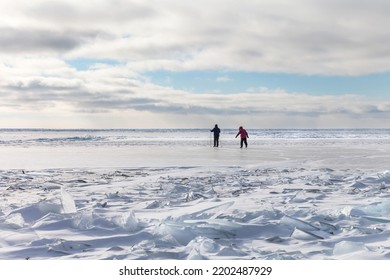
{"x":216,"y":131}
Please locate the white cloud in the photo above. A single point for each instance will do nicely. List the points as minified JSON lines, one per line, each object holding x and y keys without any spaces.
{"x":332,"y":37}
{"x":223,"y":79}
{"x":116,"y":91}
{"x":313,"y":37}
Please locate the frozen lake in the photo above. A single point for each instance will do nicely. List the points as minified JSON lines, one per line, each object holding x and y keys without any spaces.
{"x":145,"y":148}
{"x":167,"y":194}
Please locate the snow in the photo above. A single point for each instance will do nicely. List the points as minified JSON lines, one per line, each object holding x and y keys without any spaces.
{"x":316,"y":198}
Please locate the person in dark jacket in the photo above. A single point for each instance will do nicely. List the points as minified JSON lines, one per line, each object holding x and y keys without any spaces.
{"x":216,"y":131}
{"x":243,"y":135}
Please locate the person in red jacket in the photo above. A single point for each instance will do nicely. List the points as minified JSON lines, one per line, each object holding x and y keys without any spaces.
{"x":243,"y":134}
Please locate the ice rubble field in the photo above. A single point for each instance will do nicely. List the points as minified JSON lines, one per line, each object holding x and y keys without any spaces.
{"x":202,"y":212}
{"x":166,"y":194}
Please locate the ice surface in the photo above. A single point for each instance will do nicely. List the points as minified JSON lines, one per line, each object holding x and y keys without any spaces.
{"x":348,"y":247}
{"x":298,"y":194}
{"x":127,"y":221}
{"x":68,"y":203}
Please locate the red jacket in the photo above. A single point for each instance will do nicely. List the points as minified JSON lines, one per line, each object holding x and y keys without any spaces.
{"x":242,"y":132}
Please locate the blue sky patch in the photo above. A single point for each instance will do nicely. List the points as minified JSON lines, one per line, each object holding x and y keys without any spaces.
{"x":374,"y":85}
{"x":82,"y":64}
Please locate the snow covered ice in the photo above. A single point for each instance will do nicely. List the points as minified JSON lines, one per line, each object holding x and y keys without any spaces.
{"x":166,"y":194}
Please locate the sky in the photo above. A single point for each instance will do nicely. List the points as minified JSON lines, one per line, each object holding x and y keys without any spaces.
{"x":192,"y":64}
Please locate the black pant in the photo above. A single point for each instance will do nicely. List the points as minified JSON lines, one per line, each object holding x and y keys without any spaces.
{"x":216,"y":140}
{"x":243,"y":140}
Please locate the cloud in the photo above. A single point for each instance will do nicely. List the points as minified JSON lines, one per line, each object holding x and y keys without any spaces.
{"x":28,"y":40}
{"x":110,"y":88}
{"x":38,"y":39}
{"x":223,"y":79}
{"x":312,"y":37}
{"x":98,"y":13}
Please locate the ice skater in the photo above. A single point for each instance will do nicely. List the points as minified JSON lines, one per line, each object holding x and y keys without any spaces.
{"x":216,"y":131}
{"x":244,"y":135}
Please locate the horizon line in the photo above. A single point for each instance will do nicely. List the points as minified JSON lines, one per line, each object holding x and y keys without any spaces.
{"x":193,"y":128}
